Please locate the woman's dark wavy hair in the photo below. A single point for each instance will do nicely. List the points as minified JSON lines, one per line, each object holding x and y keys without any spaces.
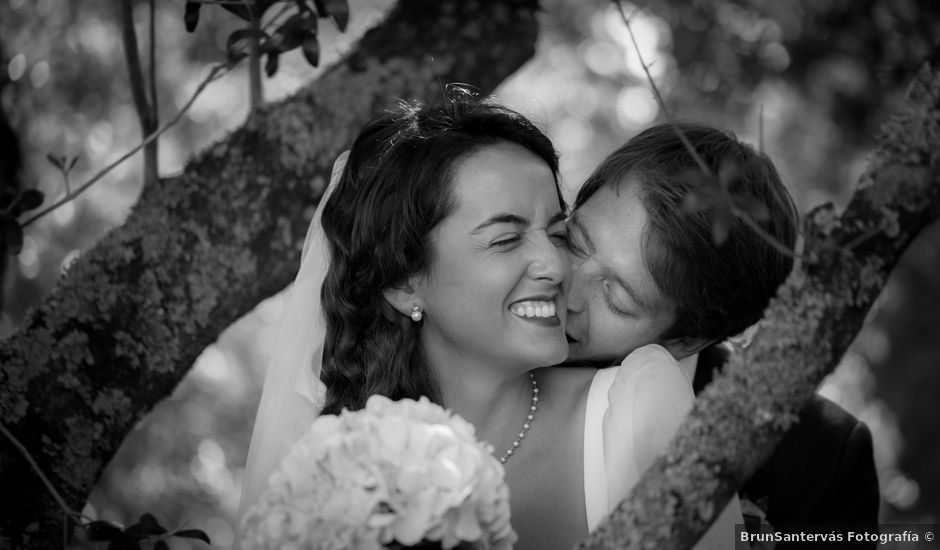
{"x":396,"y":188}
{"x":718,"y":290}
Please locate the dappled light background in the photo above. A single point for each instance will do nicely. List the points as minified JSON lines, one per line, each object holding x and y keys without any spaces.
{"x":809,"y":82}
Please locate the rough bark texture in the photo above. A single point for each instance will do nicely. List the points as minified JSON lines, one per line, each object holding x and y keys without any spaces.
{"x":805,"y":331}
{"x":200,"y":250}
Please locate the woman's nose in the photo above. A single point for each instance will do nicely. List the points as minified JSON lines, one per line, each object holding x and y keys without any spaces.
{"x":550,"y":262}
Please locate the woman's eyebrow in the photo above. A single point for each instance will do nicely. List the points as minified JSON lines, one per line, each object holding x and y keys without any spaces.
{"x":500,"y":218}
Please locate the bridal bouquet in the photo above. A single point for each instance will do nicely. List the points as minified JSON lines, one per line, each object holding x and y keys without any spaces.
{"x":395,"y":474}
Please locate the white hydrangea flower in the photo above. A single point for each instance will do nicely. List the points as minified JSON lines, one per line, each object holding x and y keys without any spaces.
{"x":401,"y":472}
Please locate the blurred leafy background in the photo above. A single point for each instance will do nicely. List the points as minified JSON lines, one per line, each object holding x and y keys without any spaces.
{"x":809,"y":81}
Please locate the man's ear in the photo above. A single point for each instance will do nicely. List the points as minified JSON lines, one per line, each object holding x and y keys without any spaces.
{"x":681,"y":348}
{"x":684,"y":350}
{"x":402,"y":297}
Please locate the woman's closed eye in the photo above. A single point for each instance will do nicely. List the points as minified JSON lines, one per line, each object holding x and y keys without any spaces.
{"x":561,"y":237}
{"x":504,"y":241}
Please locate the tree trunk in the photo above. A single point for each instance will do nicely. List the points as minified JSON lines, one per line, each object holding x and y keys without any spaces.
{"x":200,"y":250}
{"x":806,"y":329}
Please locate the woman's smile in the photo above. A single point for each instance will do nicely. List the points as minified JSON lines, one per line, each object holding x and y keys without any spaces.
{"x":539,"y":310}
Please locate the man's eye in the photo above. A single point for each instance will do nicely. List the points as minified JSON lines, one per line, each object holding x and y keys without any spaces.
{"x":574,"y":246}
{"x":614,"y":302}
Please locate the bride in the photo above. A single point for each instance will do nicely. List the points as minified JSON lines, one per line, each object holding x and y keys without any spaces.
{"x":436,"y":259}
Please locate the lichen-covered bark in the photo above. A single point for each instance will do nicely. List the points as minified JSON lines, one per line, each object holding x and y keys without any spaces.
{"x":202,"y":249}
{"x":806,"y":329}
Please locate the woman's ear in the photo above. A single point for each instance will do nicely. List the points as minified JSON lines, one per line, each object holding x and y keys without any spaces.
{"x":403,"y":298}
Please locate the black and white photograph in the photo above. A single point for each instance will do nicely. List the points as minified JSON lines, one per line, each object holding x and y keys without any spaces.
{"x":469,"y":274}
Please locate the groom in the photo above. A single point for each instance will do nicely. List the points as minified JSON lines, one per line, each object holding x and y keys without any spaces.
{"x":646,"y":269}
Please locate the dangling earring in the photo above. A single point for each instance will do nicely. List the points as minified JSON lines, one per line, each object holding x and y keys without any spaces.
{"x":416,"y":314}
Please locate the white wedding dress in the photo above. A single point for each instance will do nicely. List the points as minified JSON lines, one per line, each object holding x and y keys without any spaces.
{"x":632,"y":412}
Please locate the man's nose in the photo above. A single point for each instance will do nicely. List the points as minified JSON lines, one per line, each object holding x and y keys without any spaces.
{"x":575,"y":283}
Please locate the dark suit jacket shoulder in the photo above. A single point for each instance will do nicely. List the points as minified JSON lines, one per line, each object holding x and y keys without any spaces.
{"x":822,"y":470}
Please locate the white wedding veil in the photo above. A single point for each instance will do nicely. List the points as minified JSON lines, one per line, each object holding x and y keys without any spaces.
{"x":293,"y":394}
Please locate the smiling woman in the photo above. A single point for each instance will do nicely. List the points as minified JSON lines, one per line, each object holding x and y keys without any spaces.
{"x":495,"y":256}
{"x":445,"y":212}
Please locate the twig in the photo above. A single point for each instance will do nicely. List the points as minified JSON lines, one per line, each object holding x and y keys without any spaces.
{"x":760,"y":128}
{"x":857,"y":241}
{"x":138,"y":87}
{"x":55,"y":494}
{"x":216,"y":72}
{"x":770,"y":239}
{"x":256,"y":95}
{"x":154,"y":107}
{"x":656,"y":93}
{"x":218,"y":2}
{"x":782,"y":248}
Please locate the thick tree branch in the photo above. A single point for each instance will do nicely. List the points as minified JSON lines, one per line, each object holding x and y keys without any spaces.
{"x":806,"y":329}
{"x":200,"y":250}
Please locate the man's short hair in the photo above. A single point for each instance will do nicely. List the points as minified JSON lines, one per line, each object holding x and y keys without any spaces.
{"x":717,"y":288}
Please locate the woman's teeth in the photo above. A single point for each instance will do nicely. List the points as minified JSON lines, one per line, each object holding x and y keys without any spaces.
{"x":533,"y":309}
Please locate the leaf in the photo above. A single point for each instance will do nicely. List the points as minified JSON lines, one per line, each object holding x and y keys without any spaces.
{"x":311,"y":50}
{"x":292,"y":33}
{"x":12,"y":233}
{"x":193,"y":534}
{"x":148,"y":526}
{"x":191,"y":17}
{"x":310,"y":24}
{"x":124,"y":543}
{"x":55,"y":161}
{"x":729,"y":172}
{"x":29,"y":199}
{"x":270,"y":66}
{"x":754,"y":208}
{"x":101,"y":530}
{"x":7,"y":197}
{"x":243,"y":10}
{"x":263,"y":5}
{"x":337,"y":9}
{"x":698,"y":200}
{"x":721,"y":222}
{"x":240,"y":10}
{"x":239,"y":43}
{"x":150,"y":520}
{"x":72,"y":163}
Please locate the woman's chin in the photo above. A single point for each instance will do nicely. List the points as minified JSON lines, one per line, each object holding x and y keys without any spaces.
{"x":551,"y":354}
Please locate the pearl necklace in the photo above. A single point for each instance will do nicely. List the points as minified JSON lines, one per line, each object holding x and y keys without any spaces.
{"x":528,"y":420}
